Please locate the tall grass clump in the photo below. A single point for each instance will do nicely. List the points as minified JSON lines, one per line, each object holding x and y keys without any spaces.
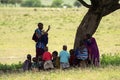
{"x":12,"y":67}
{"x":109,"y":59}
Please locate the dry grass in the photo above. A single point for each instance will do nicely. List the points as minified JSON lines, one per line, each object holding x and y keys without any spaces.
{"x":18,"y":24}
{"x":108,"y":73}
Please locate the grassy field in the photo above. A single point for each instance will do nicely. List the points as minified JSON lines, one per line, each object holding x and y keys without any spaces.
{"x":17,"y":26}
{"x":109,"y":73}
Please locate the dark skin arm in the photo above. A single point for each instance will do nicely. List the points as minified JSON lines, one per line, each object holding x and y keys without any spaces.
{"x":48,"y":29}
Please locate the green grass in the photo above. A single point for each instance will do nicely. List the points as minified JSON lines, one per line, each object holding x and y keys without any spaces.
{"x":17,"y":26}
{"x":110,"y":59}
{"x":72,"y":74}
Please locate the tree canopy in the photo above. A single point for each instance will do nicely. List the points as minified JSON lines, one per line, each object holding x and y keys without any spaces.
{"x":106,"y":6}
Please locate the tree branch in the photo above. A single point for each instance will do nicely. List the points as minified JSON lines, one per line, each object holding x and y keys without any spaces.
{"x":84,"y":3}
{"x":110,"y":9}
{"x":95,"y":4}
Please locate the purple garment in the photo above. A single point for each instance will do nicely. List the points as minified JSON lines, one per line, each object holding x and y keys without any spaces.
{"x":39,"y":52}
{"x":93,"y":49}
{"x":27,"y":65}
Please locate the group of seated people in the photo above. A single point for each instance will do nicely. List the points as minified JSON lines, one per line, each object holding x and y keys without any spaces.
{"x":64,"y":60}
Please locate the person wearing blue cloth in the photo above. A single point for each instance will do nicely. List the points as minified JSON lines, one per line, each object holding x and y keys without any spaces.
{"x":42,"y":39}
{"x":64,"y":58}
{"x":81,"y":54}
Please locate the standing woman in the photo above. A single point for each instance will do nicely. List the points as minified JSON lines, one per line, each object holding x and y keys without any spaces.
{"x":41,"y":42}
{"x":92,"y":49}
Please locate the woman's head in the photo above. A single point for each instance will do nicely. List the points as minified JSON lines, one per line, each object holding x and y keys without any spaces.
{"x":40,"y":26}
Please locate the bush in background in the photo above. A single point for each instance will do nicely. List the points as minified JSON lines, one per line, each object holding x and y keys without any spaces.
{"x":31,"y":3}
{"x":77,"y":3}
{"x":12,"y":67}
{"x":57,"y":3}
{"x":67,"y":6}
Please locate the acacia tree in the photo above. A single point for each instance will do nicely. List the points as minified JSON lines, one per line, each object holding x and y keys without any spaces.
{"x":96,"y":10}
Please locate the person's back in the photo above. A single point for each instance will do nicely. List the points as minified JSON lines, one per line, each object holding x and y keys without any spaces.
{"x":34,"y":64}
{"x":81,"y":53}
{"x":27,"y":63}
{"x":42,"y":39}
{"x":47,"y":57}
{"x":72,"y":58}
{"x":40,"y":63}
{"x":64,"y":58}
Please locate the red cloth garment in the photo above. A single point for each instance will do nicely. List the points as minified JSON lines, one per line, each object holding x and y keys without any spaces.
{"x":47,"y":56}
{"x":71,"y":60}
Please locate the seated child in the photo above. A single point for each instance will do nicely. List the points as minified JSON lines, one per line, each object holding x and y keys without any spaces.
{"x":27,"y":63}
{"x":34,"y":64}
{"x":64,"y":58}
{"x":47,"y":58}
{"x":72,"y":58}
{"x":40,"y":63}
{"x":55,"y":59}
{"x":81,"y":54}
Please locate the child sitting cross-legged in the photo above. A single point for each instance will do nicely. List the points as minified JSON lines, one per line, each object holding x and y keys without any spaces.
{"x":47,"y":58}
{"x":34,"y":64}
{"x":81,"y":54}
{"x":27,"y":63}
{"x":72,"y":58}
{"x":40,"y":63}
{"x":55,"y":59}
{"x":64,"y":58}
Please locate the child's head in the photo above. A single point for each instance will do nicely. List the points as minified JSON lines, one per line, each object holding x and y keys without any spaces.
{"x":46,"y":48}
{"x":29,"y":57}
{"x":54,"y":54}
{"x":40,"y":26}
{"x":65,"y":47}
{"x":71,"y":51}
{"x":34,"y":59}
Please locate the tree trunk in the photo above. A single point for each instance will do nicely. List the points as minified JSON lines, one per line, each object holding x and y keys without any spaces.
{"x":88,"y":25}
{"x":91,"y":20}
